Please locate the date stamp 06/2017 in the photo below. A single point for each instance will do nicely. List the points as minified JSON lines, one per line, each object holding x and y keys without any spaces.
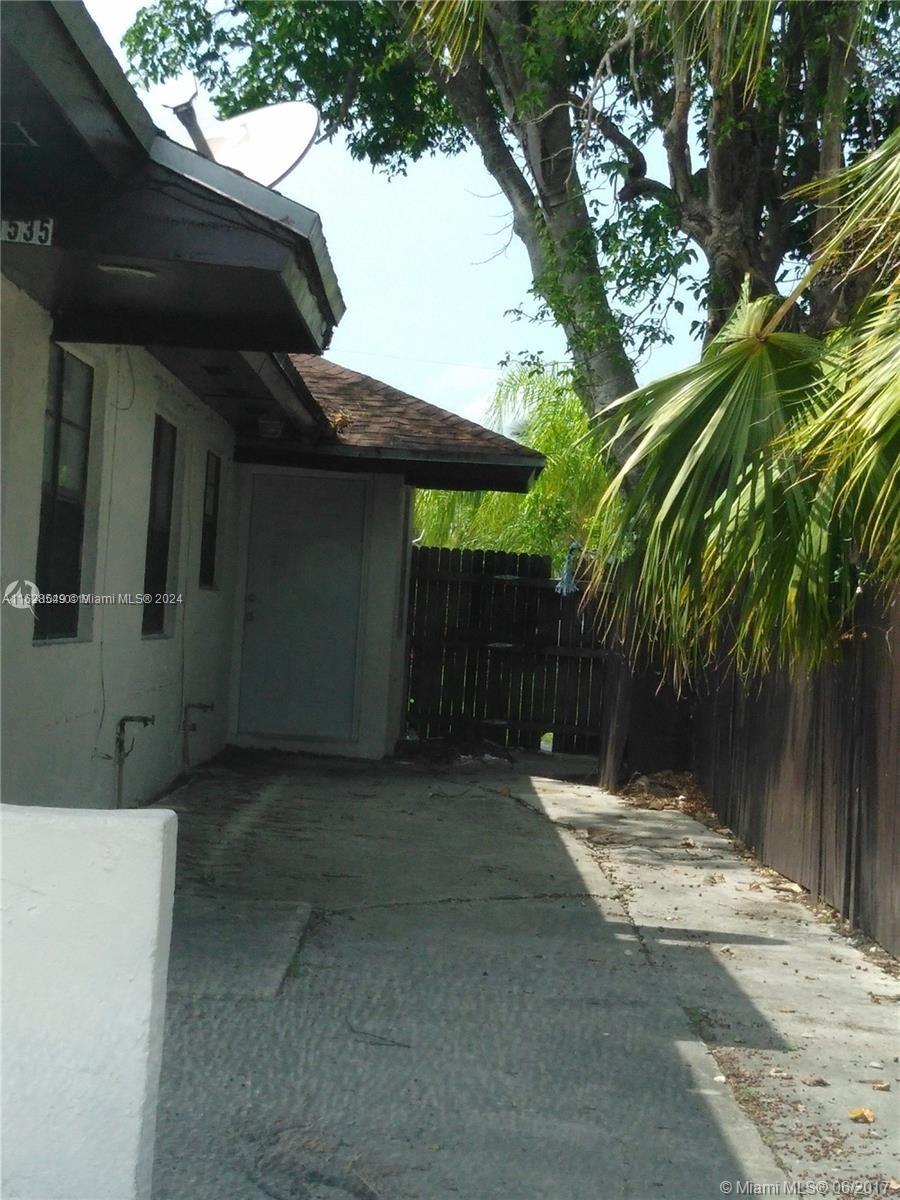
{"x":811,"y":1187}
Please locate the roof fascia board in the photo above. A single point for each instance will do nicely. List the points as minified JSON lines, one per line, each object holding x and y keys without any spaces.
{"x":296,"y":384}
{"x":118,"y":115}
{"x":234,"y":186}
{"x":297,"y":283}
{"x":270,"y":370}
{"x":231,"y":185}
{"x":39,"y":36}
{"x":534,"y":463}
{"x":455,"y":476}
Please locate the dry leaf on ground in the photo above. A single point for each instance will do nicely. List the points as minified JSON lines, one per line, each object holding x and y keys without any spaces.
{"x":861,"y":1115}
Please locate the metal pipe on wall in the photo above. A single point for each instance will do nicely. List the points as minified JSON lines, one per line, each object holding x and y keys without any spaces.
{"x":121,"y":753}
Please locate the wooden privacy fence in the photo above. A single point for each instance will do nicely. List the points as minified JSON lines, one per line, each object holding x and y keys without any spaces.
{"x":496,"y":652}
{"x":806,"y":770}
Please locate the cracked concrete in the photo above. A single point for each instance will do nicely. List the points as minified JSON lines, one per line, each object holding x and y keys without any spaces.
{"x":483,"y":1004}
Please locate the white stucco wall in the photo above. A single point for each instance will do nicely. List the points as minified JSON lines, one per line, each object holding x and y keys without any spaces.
{"x":382,"y":678}
{"x":381,"y":672}
{"x":87,"y":910}
{"x":61,"y":700}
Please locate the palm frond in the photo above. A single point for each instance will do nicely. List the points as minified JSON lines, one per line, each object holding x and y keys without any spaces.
{"x":732,"y":543}
{"x":542,"y":410}
{"x":766,"y":478}
{"x":865,"y":230}
{"x":855,"y":438}
{"x":449,"y":28}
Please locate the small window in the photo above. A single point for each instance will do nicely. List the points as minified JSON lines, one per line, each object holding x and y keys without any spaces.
{"x":159,"y":526}
{"x":67,"y":433}
{"x":210,"y":521}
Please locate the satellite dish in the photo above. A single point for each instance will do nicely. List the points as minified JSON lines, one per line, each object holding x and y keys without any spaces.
{"x":266,"y":143}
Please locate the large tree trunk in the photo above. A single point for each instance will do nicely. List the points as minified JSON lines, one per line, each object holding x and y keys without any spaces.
{"x":735,"y":176}
{"x":739,"y":216}
{"x":566,"y":270}
{"x":549,"y":213}
{"x":830,"y":301}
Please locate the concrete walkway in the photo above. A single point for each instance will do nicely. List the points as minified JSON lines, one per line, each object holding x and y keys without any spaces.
{"x":481,"y":1006}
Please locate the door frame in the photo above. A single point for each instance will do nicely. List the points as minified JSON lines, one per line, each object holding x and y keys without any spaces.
{"x":245,"y":476}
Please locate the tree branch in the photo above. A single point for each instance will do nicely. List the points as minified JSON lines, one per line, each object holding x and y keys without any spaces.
{"x":637,"y":183}
{"x":841,"y":68}
{"x":675,"y":133}
{"x":648,"y":187}
{"x":637,"y":163}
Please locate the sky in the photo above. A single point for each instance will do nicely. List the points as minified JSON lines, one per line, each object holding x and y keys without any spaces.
{"x":427,"y":264}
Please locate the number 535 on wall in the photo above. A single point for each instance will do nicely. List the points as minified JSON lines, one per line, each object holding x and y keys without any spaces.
{"x":35,"y":232}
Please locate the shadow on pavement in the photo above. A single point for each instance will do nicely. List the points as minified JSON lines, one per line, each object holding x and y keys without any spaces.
{"x":470,"y":1012}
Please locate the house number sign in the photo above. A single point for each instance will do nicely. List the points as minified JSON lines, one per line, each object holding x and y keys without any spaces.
{"x":36,"y":231}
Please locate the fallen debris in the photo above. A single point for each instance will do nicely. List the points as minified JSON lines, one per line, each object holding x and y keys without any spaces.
{"x":862,"y":1116}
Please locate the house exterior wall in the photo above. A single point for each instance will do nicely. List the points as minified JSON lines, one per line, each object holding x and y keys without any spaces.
{"x":381,"y":663}
{"x":87,"y":913}
{"x":62,"y":699}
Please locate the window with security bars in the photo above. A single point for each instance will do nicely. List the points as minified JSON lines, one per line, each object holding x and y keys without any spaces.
{"x":159,"y":526}
{"x":210,"y":520}
{"x":67,"y":435}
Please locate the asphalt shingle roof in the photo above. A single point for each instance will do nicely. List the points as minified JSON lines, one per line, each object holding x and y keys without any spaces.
{"x":368,"y":414}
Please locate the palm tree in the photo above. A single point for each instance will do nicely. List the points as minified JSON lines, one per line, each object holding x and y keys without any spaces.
{"x":758,"y":493}
{"x":542,"y":410}
{"x":764,"y":496}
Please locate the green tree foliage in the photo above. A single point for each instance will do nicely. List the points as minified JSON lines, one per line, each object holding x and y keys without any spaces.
{"x":747,"y":99}
{"x":765,"y":480}
{"x":757,"y":491}
{"x":542,"y":410}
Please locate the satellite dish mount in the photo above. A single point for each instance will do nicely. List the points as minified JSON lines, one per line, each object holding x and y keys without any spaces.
{"x":265,"y":144}
{"x":186,"y":115}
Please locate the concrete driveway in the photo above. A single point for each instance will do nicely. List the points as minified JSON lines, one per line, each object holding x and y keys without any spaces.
{"x":469,"y":1011}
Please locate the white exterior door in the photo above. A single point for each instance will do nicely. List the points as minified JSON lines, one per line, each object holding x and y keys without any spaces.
{"x":302,"y":607}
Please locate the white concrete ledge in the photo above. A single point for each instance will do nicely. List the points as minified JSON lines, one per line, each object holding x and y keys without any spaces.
{"x":87,"y":915}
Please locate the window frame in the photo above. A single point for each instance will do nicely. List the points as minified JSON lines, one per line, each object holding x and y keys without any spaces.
{"x":63,"y":622}
{"x":159,"y":545}
{"x":209,"y":524}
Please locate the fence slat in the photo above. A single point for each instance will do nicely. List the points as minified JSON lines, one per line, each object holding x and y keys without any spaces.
{"x":494,"y":650}
{"x":804,"y":769}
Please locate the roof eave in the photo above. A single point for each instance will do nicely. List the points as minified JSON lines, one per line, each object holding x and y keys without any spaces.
{"x":447,"y":470}
{"x":84,"y":32}
{"x":320,"y":306}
